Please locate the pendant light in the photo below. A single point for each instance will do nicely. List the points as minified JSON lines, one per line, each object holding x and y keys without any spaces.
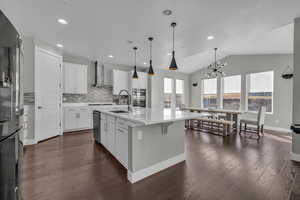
{"x":173,"y":65}
{"x":150,"y":72}
{"x":215,"y":69}
{"x":135,"y":75}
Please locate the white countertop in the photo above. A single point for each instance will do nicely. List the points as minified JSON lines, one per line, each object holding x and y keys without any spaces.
{"x":147,"y":116}
{"x":87,"y":104}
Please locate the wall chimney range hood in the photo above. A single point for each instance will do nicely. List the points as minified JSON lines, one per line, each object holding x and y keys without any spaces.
{"x":99,"y":75}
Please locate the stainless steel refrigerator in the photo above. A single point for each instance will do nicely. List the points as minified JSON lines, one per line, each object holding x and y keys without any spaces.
{"x":10,"y":112}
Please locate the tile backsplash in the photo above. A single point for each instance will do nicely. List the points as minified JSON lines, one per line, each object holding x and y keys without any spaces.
{"x":93,"y":95}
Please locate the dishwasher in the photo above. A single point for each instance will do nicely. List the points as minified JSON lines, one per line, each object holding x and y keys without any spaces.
{"x":97,"y":126}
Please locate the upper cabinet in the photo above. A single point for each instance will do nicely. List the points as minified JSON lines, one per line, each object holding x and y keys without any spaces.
{"x":141,"y":82}
{"x":120,"y":81}
{"x":74,"y":78}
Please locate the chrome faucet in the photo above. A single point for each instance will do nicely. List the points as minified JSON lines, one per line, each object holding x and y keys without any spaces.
{"x":129,"y":98}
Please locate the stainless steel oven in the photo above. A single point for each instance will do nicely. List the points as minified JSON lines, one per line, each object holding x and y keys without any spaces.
{"x":139,"y":97}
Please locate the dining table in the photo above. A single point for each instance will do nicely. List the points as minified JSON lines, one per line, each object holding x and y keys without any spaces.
{"x":231,"y":115}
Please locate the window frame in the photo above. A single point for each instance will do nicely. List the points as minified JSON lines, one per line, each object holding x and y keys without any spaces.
{"x":183,"y":92}
{"x":248,"y":90}
{"x":222,"y":91}
{"x":217,"y":93}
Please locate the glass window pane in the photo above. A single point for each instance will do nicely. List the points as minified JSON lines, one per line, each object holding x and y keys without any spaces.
{"x":168,"y":89}
{"x":168,"y":85}
{"x":232,"y":92}
{"x":179,"y":93}
{"x":260,"y":91}
{"x":210,"y":93}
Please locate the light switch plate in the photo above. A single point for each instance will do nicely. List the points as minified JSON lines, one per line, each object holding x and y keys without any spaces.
{"x":140,"y":135}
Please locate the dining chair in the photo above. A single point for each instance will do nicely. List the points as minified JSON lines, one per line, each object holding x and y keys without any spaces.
{"x":258,"y":123}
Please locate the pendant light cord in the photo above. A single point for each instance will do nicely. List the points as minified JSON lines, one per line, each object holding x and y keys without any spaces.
{"x":173,"y":37}
{"x":150,"y":50}
{"x":215,"y":58}
{"x":134,"y":57}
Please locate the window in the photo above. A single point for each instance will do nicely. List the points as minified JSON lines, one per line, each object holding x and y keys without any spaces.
{"x":232,"y":92}
{"x":168,"y":91}
{"x":210,"y":93}
{"x":179,"y":93}
{"x":260,"y":90}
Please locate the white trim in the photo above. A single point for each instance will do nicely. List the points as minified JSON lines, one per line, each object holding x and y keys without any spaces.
{"x":29,"y":142}
{"x":279,"y":129}
{"x":134,"y":177}
{"x":295,"y":157}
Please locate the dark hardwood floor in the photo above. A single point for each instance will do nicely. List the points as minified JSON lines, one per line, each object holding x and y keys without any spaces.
{"x":73,"y":167}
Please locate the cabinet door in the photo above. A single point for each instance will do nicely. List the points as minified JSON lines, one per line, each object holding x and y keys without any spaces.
{"x":70,"y":119}
{"x":84,"y":120}
{"x":121,"y":147}
{"x":104,"y":129}
{"x":69,"y":72}
{"x":108,"y":80}
{"x":120,"y":81}
{"x":80,"y":81}
{"x":111,"y":134}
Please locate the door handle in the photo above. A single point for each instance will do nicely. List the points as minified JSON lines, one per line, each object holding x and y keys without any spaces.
{"x":40,"y":107}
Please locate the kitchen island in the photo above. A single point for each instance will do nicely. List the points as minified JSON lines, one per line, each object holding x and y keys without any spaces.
{"x":144,"y":141}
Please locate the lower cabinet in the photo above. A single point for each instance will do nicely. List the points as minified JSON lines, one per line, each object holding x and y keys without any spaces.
{"x":122,"y":146}
{"x":114,"y":137}
{"x":110,"y":134}
{"x":77,"y":118}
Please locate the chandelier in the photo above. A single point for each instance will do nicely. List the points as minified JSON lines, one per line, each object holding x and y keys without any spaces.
{"x":215,"y":69}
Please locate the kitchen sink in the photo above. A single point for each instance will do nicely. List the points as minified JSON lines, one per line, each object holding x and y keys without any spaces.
{"x":119,"y":111}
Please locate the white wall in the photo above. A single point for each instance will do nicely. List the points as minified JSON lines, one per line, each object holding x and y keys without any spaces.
{"x":157,"y":86}
{"x":244,"y":64}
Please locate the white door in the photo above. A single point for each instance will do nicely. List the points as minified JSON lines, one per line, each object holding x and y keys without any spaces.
{"x":47,"y":94}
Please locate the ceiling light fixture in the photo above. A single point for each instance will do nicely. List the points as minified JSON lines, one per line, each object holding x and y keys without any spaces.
{"x":150,"y":71}
{"x":60,"y":45}
{"x":110,"y":56}
{"x":167,"y":12}
{"x":215,"y":69}
{"x":145,"y":63}
{"x":173,"y":65}
{"x":62,"y":21}
{"x":135,"y":75}
{"x":211,"y":37}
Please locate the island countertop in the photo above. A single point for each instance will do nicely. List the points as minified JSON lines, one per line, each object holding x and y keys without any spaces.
{"x":150,"y":116}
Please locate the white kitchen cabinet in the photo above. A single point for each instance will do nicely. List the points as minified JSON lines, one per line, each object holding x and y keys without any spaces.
{"x":121,"y":145}
{"x":103,"y":130}
{"x":77,"y":118}
{"x":120,"y":81}
{"x":74,"y":78}
{"x":111,"y":134}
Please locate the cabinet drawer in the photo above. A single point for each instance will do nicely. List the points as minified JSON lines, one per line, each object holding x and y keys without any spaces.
{"x":122,"y":124}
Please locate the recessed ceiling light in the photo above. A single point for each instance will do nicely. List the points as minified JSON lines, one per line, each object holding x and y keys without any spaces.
{"x":167,"y":12}
{"x":60,"y":45}
{"x":211,"y":37}
{"x":62,"y":21}
{"x":169,"y":54}
{"x":145,"y":63}
{"x":110,"y":56}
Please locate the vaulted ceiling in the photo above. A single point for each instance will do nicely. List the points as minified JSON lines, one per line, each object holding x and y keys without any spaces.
{"x":98,"y":28}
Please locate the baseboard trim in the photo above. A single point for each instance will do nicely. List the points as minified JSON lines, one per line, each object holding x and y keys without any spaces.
{"x":295,"y":157}
{"x":29,"y":142}
{"x":134,"y":177}
{"x":272,"y":128}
